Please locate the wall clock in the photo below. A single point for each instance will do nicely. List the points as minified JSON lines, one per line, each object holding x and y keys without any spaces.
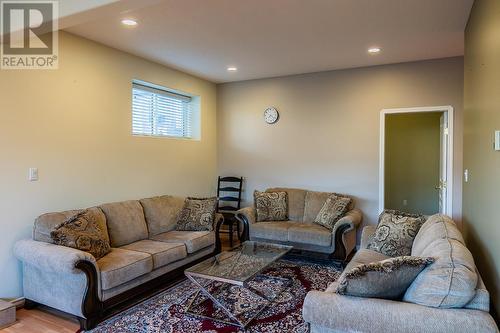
{"x":271,"y":115}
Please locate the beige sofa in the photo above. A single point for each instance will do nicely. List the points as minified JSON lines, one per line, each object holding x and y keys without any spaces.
{"x":452,"y":285}
{"x":300,"y":231}
{"x":147,"y":253}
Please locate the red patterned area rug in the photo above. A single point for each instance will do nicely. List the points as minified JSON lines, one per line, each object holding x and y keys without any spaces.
{"x":165,"y":312}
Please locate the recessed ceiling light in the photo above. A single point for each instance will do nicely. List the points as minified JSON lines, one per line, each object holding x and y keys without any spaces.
{"x":232,"y":69}
{"x":129,"y":22}
{"x":374,"y":50}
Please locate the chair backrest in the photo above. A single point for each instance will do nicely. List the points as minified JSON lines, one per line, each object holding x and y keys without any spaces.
{"x":229,"y":194}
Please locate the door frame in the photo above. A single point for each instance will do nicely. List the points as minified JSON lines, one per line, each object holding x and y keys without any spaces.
{"x":448,"y":206}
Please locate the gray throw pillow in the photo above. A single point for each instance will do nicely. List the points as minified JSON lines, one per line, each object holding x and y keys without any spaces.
{"x":198,"y":214}
{"x":82,"y":232}
{"x":387,"y":279}
{"x":271,"y":206}
{"x":395,"y":233}
{"x":333,"y":210}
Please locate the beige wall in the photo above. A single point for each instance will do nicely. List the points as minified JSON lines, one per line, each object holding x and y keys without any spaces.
{"x":482,"y":118}
{"x":412,"y":160}
{"x":74,"y":124}
{"x":328,"y":135}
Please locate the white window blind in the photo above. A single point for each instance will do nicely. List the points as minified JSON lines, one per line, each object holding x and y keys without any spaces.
{"x":157,"y":112}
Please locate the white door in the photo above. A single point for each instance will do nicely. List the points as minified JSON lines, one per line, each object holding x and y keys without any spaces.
{"x":443,"y":165}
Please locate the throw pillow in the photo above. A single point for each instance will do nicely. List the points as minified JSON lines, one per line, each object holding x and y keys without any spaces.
{"x":82,"y":232}
{"x":387,"y":279}
{"x":395,"y":233}
{"x":333,"y":210}
{"x":198,"y":214}
{"x":271,"y":206}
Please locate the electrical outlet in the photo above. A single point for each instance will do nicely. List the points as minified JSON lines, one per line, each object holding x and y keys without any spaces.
{"x":466,"y":175}
{"x":405,"y":202}
{"x":497,"y":140}
{"x":33,"y":174}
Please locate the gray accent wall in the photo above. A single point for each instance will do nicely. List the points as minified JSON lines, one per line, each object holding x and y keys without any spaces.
{"x":482,"y":117}
{"x":327,"y":137}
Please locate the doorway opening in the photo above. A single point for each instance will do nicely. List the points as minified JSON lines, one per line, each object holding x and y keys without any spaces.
{"x":416,"y":160}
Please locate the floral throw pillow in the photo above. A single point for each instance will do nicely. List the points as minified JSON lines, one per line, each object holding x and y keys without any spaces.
{"x":198,"y":214}
{"x":271,"y":206}
{"x":395,"y":233}
{"x":82,"y":232}
{"x":387,"y":279}
{"x":333,"y":210}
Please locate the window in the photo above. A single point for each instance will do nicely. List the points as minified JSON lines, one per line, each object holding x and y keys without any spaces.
{"x":156,"y":111}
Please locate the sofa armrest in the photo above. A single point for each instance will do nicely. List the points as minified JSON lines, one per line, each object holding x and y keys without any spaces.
{"x":356,"y":314}
{"x":51,"y":257}
{"x":344,"y":234}
{"x":246,"y":216}
{"x":352,"y":219}
{"x":367,"y":235}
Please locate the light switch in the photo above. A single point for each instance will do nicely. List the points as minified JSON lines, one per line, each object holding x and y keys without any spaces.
{"x":33,"y":174}
{"x":497,"y":140}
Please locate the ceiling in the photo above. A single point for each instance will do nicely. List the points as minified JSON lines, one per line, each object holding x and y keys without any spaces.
{"x":267,"y":38}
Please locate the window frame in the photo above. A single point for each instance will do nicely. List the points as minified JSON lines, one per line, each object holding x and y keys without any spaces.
{"x":172,"y":93}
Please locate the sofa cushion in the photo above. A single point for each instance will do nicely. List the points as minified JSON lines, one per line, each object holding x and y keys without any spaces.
{"x":120,"y":266}
{"x":314,"y":201}
{"x":197,"y":214}
{"x":126,"y":223}
{"x":387,"y":279}
{"x":451,"y":281}
{"x":45,"y":223}
{"x":82,"y":232}
{"x":162,"y":253}
{"x":161,"y":213}
{"x":296,"y":199}
{"x":333,"y":210}
{"x":193,"y":240}
{"x":395,"y":233}
{"x":310,"y":234}
{"x":277,"y":230}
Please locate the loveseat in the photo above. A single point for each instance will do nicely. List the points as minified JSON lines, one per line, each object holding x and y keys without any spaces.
{"x":300,"y":231}
{"x":447,"y":296}
{"x":146,"y":254}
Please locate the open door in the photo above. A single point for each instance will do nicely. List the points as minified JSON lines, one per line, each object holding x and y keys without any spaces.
{"x":397,"y":176}
{"x":443,"y":163}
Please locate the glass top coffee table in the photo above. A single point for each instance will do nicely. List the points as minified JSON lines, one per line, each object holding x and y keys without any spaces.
{"x":237,"y":272}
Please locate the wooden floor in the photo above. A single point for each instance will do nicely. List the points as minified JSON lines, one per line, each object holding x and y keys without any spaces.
{"x":45,"y":320}
{"x":42,"y":320}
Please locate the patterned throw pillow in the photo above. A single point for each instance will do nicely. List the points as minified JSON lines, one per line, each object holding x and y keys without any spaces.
{"x":333,"y":210}
{"x":387,"y":279}
{"x":395,"y":233}
{"x":198,"y":214}
{"x":271,"y":206}
{"x":82,"y":232}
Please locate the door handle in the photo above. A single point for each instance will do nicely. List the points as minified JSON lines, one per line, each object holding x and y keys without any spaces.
{"x":441,"y":185}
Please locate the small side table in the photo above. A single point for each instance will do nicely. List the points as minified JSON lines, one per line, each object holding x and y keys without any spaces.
{"x":7,"y":314}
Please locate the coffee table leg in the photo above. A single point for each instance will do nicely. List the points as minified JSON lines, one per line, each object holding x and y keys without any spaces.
{"x":236,"y":322}
{"x":213,"y":299}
